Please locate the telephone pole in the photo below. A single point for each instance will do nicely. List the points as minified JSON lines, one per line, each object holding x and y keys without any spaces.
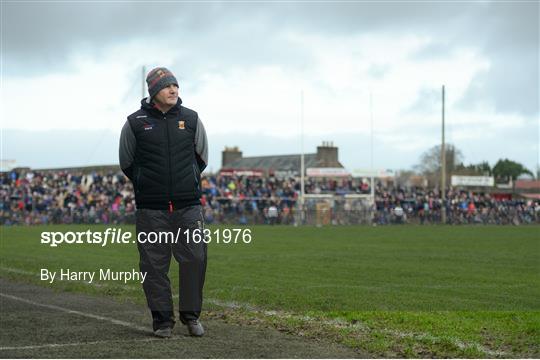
{"x":302,"y":164}
{"x":443,"y":168}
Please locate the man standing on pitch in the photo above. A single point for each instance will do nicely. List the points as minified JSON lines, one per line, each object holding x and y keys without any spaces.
{"x":163,"y":150}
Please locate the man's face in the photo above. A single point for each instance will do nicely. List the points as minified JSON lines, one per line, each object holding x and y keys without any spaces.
{"x":167,"y":96}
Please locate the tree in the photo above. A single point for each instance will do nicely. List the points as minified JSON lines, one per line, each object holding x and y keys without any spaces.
{"x":430,"y":163}
{"x":403,"y":176}
{"x":481,"y":169}
{"x":508,"y":169}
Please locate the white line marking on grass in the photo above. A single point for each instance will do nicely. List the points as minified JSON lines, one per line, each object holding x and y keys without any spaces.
{"x":415,"y":287}
{"x":340,"y":323}
{"x":337,"y":323}
{"x":457,"y":342}
{"x":80,"y":313}
{"x":94,"y":284}
{"x":18,"y":271}
{"x":31,"y":347}
{"x":231,"y":304}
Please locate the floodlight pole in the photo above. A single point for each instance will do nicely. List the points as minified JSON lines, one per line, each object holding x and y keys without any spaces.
{"x":302,"y":165}
{"x":443,"y":167}
{"x":143,"y":82}
{"x":371,"y":150}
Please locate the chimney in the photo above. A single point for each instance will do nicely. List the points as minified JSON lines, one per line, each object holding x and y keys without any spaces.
{"x":229,"y":155}
{"x":327,"y":155}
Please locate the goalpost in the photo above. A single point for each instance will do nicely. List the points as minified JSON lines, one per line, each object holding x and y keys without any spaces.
{"x":328,"y":209}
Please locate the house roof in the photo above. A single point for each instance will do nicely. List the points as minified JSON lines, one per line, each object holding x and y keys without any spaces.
{"x":275,"y":162}
{"x":527,"y":184}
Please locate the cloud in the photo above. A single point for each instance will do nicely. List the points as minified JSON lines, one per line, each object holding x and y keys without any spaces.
{"x":72,"y":148}
{"x":506,"y":34}
{"x":242,"y":65}
{"x":508,"y":86}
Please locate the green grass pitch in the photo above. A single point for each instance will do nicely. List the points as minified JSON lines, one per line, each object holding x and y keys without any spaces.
{"x":394,"y":291}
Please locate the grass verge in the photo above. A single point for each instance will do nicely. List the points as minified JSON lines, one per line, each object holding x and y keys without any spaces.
{"x":394,"y":292}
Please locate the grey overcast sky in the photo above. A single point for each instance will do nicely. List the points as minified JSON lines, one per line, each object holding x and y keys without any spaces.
{"x":71,"y":73}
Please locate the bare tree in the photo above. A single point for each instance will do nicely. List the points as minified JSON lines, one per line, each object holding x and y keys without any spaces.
{"x":403,"y":176}
{"x":430,"y":163}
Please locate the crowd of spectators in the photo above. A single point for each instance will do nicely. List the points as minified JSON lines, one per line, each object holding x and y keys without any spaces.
{"x":63,"y":197}
{"x":67,"y":197}
{"x":461,"y":207}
